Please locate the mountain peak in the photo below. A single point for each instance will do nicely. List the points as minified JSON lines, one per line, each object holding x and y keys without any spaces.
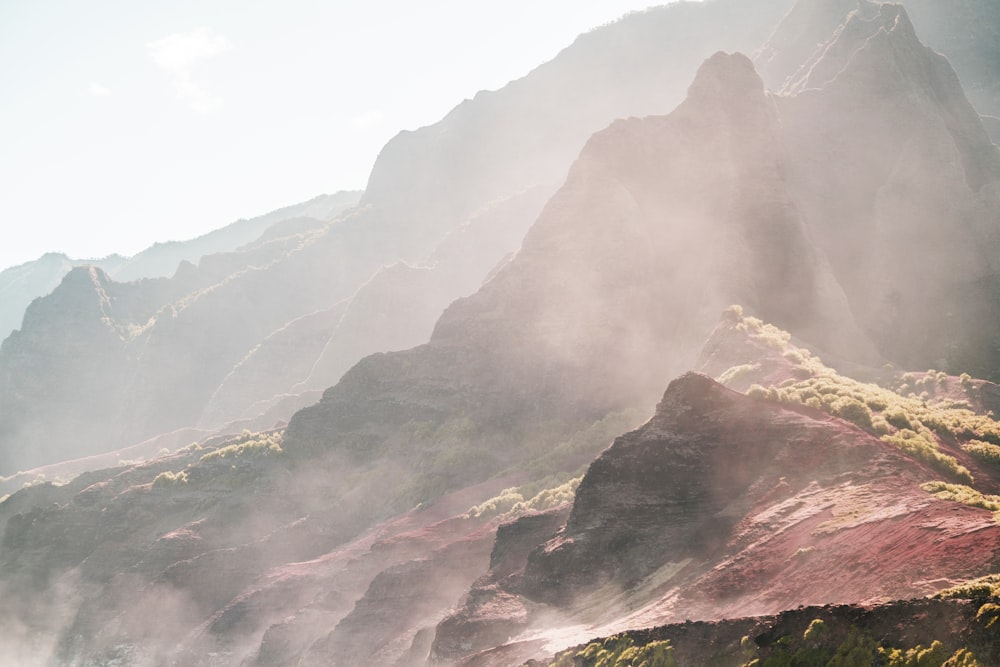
{"x":803,"y":33}
{"x":894,"y":18}
{"x":884,"y":58}
{"x":689,"y":391}
{"x":725,"y":75}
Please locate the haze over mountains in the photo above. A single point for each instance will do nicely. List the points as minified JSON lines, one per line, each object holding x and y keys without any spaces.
{"x":522,"y":284}
{"x":164,"y":371}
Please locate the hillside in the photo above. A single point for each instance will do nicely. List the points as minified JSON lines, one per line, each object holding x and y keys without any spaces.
{"x":228,"y":547}
{"x":518,"y":431}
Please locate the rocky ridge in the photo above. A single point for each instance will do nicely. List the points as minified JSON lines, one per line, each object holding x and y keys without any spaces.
{"x":664,"y":526}
{"x":175,"y":365}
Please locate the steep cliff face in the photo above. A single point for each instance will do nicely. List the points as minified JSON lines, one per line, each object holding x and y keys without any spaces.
{"x":491,"y":614}
{"x":617,"y":283}
{"x":802,"y":32}
{"x":965,"y":31}
{"x":645,"y":56}
{"x":903,"y":212}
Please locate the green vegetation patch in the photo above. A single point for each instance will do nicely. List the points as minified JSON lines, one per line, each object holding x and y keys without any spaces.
{"x":619,"y":651}
{"x":966,"y":495}
{"x":984,"y":451}
{"x":982,"y":588}
{"x":519,"y":500}
{"x":249,"y":445}
{"x":909,"y":422}
{"x":858,"y":649}
{"x":168,"y":479}
{"x":816,"y":647}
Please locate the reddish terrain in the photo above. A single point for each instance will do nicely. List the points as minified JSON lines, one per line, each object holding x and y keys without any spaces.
{"x":725,"y":506}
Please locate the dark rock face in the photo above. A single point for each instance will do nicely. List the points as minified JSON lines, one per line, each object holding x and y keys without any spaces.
{"x":660,"y":494}
{"x":491,"y":614}
{"x":413,"y":595}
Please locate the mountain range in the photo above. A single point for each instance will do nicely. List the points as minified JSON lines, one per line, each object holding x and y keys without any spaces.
{"x":502,"y":404}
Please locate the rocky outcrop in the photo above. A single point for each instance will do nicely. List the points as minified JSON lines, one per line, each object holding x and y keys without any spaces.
{"x":490,"y":614}
{"x":412,"y":596}
{"x":723,"y":505}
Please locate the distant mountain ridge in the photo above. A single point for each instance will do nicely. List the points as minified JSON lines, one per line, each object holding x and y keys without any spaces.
{"x":19,"y":285}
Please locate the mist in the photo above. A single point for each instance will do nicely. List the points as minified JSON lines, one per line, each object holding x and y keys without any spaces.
{"x":453,"y":419}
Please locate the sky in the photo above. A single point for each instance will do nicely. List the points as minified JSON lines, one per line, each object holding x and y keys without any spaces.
{"x":124,"y":123}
